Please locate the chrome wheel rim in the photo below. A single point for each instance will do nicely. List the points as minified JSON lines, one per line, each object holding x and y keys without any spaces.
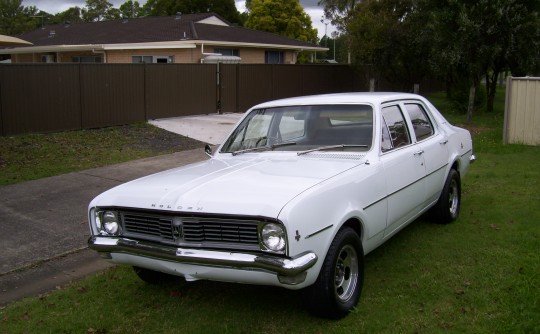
{"x":346,"y":273}
{"x":453,"y":198}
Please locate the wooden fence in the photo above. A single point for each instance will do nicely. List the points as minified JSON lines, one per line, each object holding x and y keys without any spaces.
{"x":58,"y":97}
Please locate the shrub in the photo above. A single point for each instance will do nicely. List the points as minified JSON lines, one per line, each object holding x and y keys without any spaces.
{"x":458,"y":94}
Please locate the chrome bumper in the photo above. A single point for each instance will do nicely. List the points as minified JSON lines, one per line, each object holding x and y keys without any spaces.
{"x":278,"y":265}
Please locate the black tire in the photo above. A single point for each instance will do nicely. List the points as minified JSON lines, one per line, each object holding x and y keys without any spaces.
{"x":337,"y":289}
{"x":154,"y":277}
{"x":447,"y":208}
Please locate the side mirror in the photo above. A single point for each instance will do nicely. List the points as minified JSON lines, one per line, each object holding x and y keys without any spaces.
{"x":208,"y":150}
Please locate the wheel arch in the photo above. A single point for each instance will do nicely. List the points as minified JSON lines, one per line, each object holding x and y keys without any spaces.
{"x":456,"y":165}
{"x":356,"y":224}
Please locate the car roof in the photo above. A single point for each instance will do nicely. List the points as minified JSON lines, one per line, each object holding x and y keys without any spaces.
{"x":374,"y":98}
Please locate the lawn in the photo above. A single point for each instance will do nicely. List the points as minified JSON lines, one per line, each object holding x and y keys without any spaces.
{"x":480,"y":274}
{"x":34,"y":156}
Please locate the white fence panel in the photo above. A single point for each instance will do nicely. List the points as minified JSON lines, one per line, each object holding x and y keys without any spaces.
{"x":522,"y":111}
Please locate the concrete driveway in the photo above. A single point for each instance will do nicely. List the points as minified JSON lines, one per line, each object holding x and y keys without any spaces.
{"x":212,"y":129}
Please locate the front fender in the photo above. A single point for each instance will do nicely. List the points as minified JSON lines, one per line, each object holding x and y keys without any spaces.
{"x":314,"y":218}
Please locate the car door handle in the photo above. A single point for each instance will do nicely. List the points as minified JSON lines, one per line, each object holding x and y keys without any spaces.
{"x":419,"y":152}
{"x":444,"y":142}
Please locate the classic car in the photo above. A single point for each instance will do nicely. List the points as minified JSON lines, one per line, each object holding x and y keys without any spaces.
{"x":301,"y":190}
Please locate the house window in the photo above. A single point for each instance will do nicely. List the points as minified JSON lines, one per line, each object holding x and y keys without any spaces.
{"x":152,"y":59}
{"x":47,"y":58}
{"x":141,"y":59}
{"x":86,"y":59}
{"x":274,"y":57}
{"x":227,"y":52}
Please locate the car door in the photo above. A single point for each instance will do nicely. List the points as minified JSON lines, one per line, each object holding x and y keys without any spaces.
{"x":403,"y":165}
{"x":433,"y":143}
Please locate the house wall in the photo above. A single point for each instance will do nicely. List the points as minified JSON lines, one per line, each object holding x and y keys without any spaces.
{"x":180,"y":56}
{"x":252,"y":56}
{"x":22,"y":58}
{"x":67,"y":57}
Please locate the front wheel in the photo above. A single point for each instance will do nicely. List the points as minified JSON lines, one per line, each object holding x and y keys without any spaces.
{"x":447,"y":208}
{"x":337,"y":289}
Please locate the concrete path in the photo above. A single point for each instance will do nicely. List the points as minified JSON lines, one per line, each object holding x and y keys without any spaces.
{"x":44,"y":224}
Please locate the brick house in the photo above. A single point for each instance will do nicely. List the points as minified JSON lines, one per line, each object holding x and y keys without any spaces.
{"x":189,"y":38}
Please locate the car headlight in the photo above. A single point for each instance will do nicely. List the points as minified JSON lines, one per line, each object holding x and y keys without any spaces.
{"x":107,"y":223}
{"x":273,"y":237}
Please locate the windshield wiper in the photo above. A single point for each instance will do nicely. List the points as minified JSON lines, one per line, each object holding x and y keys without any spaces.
{"x":331,"y":147}
{"x":263,"y":148}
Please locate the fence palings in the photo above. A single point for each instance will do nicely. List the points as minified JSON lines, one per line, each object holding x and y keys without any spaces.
{"x":57,"y":97}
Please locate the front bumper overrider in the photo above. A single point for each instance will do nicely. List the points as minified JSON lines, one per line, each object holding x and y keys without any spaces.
{"x":283,"y":267}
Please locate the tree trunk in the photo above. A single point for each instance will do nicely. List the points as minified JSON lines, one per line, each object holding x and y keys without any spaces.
{"x":470,"y":108}
{"x":491,"y":89}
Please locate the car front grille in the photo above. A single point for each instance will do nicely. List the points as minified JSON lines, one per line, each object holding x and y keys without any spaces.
{"x":199,"y":230}
{"x":181,"y":230}
{"x":152,"y":226}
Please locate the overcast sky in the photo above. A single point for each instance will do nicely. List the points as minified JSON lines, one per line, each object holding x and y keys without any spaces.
{"x":55,"y":6}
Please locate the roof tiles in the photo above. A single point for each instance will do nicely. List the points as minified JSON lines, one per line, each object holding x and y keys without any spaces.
{"x":154,"y":29}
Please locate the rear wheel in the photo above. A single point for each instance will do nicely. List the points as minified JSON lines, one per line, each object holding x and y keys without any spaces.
{"x":447,"y":208}
{"x":337,"y":289}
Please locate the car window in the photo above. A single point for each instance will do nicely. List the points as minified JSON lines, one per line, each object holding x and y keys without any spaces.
{"x":394,"y":130}
{"x":291,"y":126}
{"x":254,"y":132}
{"x":420,"y":121}
{"x":343,"y":116}
{"x":303,"y":128}
{"x":341,"y":125}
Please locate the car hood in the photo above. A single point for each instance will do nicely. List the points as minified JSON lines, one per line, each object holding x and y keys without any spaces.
{"x":256,"y":187}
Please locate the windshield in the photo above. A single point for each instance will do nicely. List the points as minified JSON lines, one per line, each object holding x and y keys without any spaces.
{"x":301,"y":128}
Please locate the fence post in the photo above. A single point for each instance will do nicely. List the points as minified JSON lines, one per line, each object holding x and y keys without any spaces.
{"x":145,"y":89}
{"x":416,"y":88}
{"x":507,"y":108}
{"x":218,"y":88}
{"x":371,"y":85}
{"x":1,"y":121}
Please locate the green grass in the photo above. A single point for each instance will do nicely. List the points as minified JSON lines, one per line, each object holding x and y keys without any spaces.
{"x":34,"y":156}
{"x":480,"y":274}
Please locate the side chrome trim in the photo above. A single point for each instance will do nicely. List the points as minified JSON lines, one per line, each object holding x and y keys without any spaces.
{"x":319,"y":231}
{"x":410,"y":184}
{"x":265,"y":262}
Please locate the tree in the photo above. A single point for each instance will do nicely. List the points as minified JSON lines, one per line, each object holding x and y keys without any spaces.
{"x":112,"y":14}
{"x":459,"y":41}
{"x":95,"y":10}
{"x":15,"y":18}
{"x":339,"y":11}
{"x":388,"y":36}
{"x":72,"y":15}
{"x":479,"y":39}
{"x":225,"y":8}
{"x":131,"y":9}
{"x":518,"y":33}
{"x":283,"y":17}
{"x":148,"y":8}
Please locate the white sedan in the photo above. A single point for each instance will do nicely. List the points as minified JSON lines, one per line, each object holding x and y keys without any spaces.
{"x":300,"y":191}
